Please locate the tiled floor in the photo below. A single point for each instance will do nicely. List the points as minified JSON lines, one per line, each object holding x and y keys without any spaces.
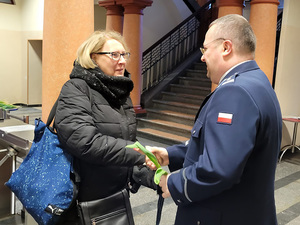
{"x":287,"y":195}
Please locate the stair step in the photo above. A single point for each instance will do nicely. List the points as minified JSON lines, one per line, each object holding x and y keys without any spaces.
{"x":166,"y":126}
{"x":169,"y":124}
{"x":173,"y":113}
{"x":160,"y":136}
{"x":194,"y":90}
{"x":196,"y":73}
{"x":196,"y":78}
{"x":200,"y":66}
{"x":176,"y":106}
{"x":195,"y":81}
{"x":173,"y":116}
{"x":184,"y":98}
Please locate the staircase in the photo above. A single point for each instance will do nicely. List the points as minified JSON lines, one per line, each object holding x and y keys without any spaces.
{"x":170,"y":117}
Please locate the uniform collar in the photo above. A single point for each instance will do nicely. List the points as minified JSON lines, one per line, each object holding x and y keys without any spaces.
{"x":245,"y":66}
{"x":228,"y":71}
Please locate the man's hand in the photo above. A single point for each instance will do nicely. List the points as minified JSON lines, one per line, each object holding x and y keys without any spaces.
{"x":164,"y":186}
{"x":161,"y":154}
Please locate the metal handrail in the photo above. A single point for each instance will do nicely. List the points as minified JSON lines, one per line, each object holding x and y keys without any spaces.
{"x":167,"y":53}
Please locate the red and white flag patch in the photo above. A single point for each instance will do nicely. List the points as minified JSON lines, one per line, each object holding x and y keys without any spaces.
{"x":225,"y":118}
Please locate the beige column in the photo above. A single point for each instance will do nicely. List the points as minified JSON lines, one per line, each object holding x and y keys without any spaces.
{"x":132,"y":32}
{"x":263,"y":19}
{"x":66,"y":25}
{"x":114,"y":15}
{"x":228,"y":7}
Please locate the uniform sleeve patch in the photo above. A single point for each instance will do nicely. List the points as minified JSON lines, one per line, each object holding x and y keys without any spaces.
{"x":225,"y":118}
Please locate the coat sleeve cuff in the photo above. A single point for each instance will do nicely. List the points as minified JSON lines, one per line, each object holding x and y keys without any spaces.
{"x":177,"y":185}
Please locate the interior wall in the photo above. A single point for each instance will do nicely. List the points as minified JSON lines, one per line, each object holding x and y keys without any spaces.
{"x":19,"y":22}
{"x":11,"y":55}
{"x":34,"y":72}
{"x":287,"y":75}
{"x":171,"y":12}
{"x":32,"y":19}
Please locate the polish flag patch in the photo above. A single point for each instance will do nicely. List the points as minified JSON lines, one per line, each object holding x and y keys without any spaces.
{"x":225,"y":118}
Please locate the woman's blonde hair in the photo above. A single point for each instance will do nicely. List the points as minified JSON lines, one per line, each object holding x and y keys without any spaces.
{"x":94,"y":44}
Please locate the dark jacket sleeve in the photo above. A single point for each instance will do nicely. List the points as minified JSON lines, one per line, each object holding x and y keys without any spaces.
{"x":177,"y":155}
{"x":224,"y":148}
{"x":79,"y":135}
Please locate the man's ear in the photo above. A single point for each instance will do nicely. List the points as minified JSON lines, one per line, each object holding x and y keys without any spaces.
{"x":227,"y":47}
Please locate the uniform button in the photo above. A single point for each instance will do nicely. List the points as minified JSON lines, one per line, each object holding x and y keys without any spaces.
{"x":198,"y":222}
{"x":194,"y":131}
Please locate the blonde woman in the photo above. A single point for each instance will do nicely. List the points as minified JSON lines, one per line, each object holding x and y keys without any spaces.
{"x":95,"y":120}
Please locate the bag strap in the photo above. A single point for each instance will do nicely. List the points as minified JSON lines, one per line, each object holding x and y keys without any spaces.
{"x":53,"y":110}
{"x":160,"y":204}
{"x":52,"y":113}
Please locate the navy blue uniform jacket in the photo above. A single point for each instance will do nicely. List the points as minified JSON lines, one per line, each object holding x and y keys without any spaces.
{"x":225,"y":172}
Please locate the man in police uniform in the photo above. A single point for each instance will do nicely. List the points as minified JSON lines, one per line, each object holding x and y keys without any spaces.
{"x":224,"y":175}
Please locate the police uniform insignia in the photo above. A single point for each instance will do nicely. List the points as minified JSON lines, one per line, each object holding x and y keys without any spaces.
{"x":229,"y":79}
{"x":225,"y":118}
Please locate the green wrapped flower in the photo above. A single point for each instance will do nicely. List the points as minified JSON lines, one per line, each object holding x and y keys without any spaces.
{"x":160,"y":171}
{"x":7,"y":106}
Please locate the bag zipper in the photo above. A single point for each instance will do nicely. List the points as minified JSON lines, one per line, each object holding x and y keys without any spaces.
{"x":98,"y":219}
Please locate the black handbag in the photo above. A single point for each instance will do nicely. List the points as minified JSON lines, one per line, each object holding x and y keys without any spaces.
{"x":114,"y":209}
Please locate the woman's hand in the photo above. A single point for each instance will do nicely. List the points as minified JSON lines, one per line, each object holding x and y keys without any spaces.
{"x":139,"y":151}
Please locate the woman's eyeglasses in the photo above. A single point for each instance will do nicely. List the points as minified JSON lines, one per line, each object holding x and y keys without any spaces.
{"x":115,"y":55}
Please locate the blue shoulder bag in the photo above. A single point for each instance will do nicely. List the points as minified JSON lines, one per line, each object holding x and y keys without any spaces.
{"x":43,"y":181}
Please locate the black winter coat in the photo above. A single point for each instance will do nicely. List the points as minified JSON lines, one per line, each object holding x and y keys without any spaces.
{"x":95,"y":120}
